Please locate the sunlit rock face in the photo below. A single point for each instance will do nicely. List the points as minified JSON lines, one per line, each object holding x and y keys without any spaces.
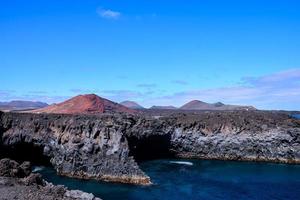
{"x":109,"y":146}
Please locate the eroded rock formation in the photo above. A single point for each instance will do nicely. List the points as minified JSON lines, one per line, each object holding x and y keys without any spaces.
{"x":17,"y":182}
{"x":107,"y":147}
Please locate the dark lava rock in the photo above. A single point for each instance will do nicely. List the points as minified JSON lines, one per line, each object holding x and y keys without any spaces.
{"x":32,"y":186}
{"x":34,"y":179}
{"x":11,"y":168}
{"x":26,"y":168}
{"x":107,"y":147}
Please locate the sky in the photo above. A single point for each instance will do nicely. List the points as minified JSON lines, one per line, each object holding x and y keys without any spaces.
{"x":157,"y":52}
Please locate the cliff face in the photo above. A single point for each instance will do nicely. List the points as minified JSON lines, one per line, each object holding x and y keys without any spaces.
{"x":106,"y":147}
{"x":253,"y":136}
{"x":77,"y":146}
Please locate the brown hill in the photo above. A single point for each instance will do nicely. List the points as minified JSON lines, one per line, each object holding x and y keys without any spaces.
{"x":84,"y":104}
{"x":195,"y":105}
{"x":132,"y":105}
{"x":200,"y":105}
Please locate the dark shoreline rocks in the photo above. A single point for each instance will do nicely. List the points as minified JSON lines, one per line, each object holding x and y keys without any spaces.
{"x":108,"y":146}
{"x":17,"y":182}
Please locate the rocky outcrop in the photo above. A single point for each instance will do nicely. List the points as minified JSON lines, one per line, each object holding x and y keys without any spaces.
{"x":10,"y":168}
{"x":107,"y":147}
{"x":17,"y":182}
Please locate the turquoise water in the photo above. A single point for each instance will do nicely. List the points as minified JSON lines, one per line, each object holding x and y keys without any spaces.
{"x":198,"y":179}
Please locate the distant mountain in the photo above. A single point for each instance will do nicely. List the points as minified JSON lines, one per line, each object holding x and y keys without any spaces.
{"x":196,"y":105}
{"x":200,"y":105}
{"x":21,"y":105}
{"x":84,"y":104}
{"x":132,"y":105}
{"x":219,"y":104}
{"x":163,"y":107}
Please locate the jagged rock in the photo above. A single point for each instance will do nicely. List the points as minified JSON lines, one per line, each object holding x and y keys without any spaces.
{"x":33,"y":186}
{"x":11,"y":168}
{"x":77,"y":194}
{"x":34,"y":179}
{"x":5,"y":181}
{"x":26,"y":168}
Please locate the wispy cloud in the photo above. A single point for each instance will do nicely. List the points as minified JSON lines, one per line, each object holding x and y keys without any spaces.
{"x":146,"y":85}
{"x":37,"y":92}
{"x":6,"y":94}
{"x":121,"y":95}
{"x":180,"y":82}
{"x":9,"y":95}
{"x":83,"y":91}
{"x":122,"y":77}
{"x":279,"y":90}
{"x":108,"y":14}
{"x":44,"y":98}
{"x":275,"y":91}
{"x":283,"y":79}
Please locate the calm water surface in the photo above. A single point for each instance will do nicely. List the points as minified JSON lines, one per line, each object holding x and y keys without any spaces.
{"x":297,"y":116}
{"x":198,"y":179}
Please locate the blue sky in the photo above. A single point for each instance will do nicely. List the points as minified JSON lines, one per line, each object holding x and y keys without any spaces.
{"x":154,"y":52}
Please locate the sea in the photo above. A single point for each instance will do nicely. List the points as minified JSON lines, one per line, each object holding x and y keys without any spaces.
{"x":178,"y":179}
{"x":297,"y":116}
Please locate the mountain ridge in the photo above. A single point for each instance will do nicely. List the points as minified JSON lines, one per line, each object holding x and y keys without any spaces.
{"x":163,"y":107}
{"x":131,"y":104}
{"x":201,"y":105}
{"x":21,"y":105}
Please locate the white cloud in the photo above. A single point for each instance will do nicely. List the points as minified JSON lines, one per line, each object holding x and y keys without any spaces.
{"x":108,"y":14}
{"x":31,"y":96}
{"x":275,"y":91}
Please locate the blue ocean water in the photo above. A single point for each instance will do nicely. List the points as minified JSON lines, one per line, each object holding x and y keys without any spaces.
{"x":297,"y":116}
{"x":198,"y":179}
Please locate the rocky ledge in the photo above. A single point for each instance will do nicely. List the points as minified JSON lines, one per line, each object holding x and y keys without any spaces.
{"x":17,"y":182}
{"x":108,"y":147}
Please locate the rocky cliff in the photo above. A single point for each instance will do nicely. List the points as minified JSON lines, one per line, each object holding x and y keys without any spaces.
{"x":77,"y":146}
{"x":108,"y":147}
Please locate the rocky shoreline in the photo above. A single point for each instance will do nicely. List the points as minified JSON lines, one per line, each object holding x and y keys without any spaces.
{"x":109,"y":146}
{"x":18,"y":182}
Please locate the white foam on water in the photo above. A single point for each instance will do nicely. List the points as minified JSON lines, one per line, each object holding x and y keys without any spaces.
{"x":182,"y":163}
{"x":38,"y":168}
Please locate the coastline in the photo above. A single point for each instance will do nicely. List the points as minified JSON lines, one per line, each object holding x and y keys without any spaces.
{"x":107,"y":147}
